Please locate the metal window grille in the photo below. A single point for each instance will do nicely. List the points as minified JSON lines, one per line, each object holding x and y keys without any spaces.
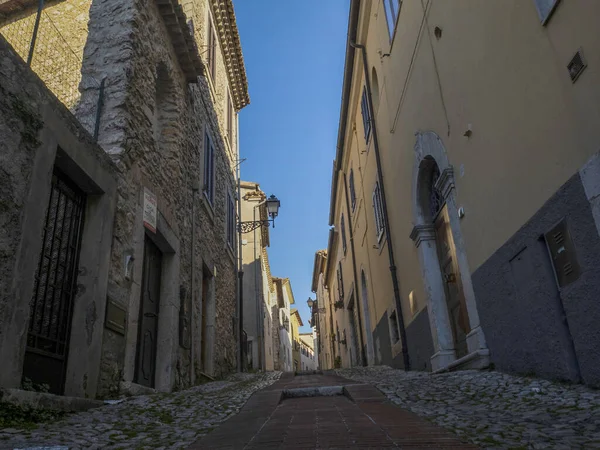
{"x":55,"y":282}
{"x":436,"y":201}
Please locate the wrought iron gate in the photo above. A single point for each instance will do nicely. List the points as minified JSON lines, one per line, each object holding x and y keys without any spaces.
{"x":55,"y":287}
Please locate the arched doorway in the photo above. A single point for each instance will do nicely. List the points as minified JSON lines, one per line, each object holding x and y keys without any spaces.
{"x":367,"y":316}
{"x":453,"y":316}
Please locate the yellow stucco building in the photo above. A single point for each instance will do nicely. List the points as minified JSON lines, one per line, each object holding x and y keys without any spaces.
{"x":464,"y":200}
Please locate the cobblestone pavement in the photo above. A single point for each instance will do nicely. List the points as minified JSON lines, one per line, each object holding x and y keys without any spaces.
{"x":151,"y":421}
{"x":492,"y":409}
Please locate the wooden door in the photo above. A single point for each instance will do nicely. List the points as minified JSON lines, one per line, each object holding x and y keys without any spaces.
{"x":354,"y":347}
{"x":455,"y":298}
{"x":204,"y":323}
{"x":148,"y":324}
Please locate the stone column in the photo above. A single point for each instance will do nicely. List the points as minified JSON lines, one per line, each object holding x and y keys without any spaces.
{"x":445,"y":185}
{"x":439,"y":321}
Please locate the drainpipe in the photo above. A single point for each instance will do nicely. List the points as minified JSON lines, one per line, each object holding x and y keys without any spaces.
{"x":240,"y":278}
{"x":195,"y":188}
{"x":386,"y":222}
{"x":258,"y":306}
{"x":356,"y":289}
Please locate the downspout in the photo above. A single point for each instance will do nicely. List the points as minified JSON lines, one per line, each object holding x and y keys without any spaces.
{"x":356,"y":288}
{"x":240,"y":278}
{"x":257,"y":306}
{"x":195,"y":188}
{"x":386,"y":222}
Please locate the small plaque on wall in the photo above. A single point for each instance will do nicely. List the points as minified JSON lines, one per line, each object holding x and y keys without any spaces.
{"x":116,"y":317}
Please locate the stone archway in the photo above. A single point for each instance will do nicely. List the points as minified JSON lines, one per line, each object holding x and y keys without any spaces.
{"x":432,"y":170}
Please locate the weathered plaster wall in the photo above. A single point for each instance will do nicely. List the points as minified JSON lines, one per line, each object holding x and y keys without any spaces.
{"x":39,"y":134}
{"x":532,"y":326}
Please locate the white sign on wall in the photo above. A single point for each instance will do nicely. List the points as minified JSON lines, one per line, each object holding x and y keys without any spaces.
{"x":150,"y":208}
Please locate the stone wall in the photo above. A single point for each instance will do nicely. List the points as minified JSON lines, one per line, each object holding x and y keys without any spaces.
{"x":39,"y":135}
{"x":59,"y":45}
{"x":153,"y":125}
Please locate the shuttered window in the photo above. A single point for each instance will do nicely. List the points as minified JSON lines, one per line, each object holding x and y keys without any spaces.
{"x":209,"y":168}
{"x":545,"y":9}
{"x":230,"y":123}
{"x":366,"y":114}
{"x":392,"y":10}
{"x":378,"y":211}
{"x":230,"y":220}
{"x":340,"y":281}
{"x":352,"y":190}
{"x":343,"y":227}
{"x":212,"y":51}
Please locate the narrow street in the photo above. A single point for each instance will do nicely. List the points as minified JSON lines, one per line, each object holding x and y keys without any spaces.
{"x":375,"y":407}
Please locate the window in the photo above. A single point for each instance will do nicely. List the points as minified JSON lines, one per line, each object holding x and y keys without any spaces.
{"x":392,"y":9}
{"x":230,"y":221}
{"x":545,"y":9}
{"x":343,"y":227}
{"x":212,"y":51}
{"x":394,"y":335}
{"x":366,"y":114}
{"x":209,"y":168}
{"x":230,"y":116}
{"x":378,"y":211}
{"x":340,"y":280}
{"x":375,"y":89}
{"x":352,"y":190}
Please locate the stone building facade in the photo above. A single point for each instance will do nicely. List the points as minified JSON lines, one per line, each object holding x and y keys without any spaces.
{"x":465,"y":193}
{"x":58,"y":196}
{"x":258,"y":289}
{"x":282,"y":331}
{"x":174,"y":81}
{"x":322,"y":313}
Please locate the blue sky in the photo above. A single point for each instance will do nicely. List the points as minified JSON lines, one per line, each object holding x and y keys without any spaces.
{"x":294,"y":56}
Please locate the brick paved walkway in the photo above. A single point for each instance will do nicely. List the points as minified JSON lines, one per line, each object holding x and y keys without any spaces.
{"x":361,"y":418}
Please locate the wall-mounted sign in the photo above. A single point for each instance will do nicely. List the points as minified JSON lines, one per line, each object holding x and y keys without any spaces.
{"x":116,"y":317}
{"x":150,"y":208}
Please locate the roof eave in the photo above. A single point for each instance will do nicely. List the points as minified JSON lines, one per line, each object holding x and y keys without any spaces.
{"x":346,"y":87}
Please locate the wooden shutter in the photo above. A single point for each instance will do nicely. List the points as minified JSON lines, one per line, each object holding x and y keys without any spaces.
{"x":352,"y":190}
{"x":343,"y":227}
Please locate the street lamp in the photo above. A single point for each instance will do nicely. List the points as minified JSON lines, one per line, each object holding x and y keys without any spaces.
{"x":310,"y":302}
{"x":273,"y":204}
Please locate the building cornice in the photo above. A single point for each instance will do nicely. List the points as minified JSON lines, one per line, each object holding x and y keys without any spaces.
{"x":182,"y":39}
{"x":346,"y":90}
{"x":318,"y":267}
{"x":225,"y":23}
{"x":267,"y":268}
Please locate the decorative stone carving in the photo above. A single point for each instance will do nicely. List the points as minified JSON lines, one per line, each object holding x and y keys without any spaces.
{"x":445,"y":183}
{"x":422,"y":233}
